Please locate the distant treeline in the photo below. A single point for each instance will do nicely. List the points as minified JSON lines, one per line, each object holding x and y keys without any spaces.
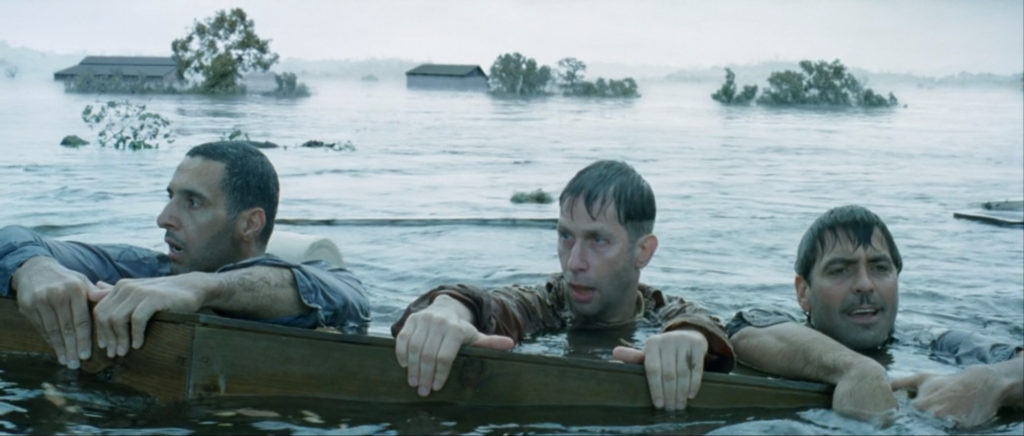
{"x":211,"y":58}
{"x":815,"y":84}
{"x":513,"y":74}
{"x":763,"y":70}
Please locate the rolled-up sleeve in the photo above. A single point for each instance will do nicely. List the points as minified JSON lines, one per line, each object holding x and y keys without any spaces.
{"x":515,"y":311}
{"x":335,"y":296}
{"x":105,"y":262}
{"x":678,"y":314}
{"x":757,"y":318}
{"x":964,"y":348}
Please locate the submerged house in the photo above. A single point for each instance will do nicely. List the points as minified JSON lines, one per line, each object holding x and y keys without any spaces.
{"x":438,"y":76}
{"x":148,"y":69}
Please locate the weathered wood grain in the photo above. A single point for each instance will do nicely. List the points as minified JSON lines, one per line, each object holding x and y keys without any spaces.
{"x":190,"y":356}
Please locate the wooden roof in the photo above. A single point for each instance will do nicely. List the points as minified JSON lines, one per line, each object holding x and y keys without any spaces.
{"x":135,"y":66}
{"x":445,"y":70}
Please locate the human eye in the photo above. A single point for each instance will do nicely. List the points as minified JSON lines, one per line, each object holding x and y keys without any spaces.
{"x":600,"y":240}
{"x":194,"y":202}
{"x":837,"y":269}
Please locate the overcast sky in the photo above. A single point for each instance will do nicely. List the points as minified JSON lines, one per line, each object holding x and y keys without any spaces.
{"x":927,"y":37}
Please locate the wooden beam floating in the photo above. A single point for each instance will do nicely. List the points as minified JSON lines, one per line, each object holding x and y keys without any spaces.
{"x":422,"y":222}
{"x":189,"y":356}
{"x":991,"y":218}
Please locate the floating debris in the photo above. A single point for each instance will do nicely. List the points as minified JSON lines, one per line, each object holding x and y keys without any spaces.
{"x":247,"y":412}
{"x":538,"y":196}
{"x":311,"y":417}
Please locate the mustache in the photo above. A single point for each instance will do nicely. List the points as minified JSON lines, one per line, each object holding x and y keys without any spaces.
{"x":863,"y":299}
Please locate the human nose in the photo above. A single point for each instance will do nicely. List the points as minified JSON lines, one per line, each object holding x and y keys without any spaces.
{"x":863,"y":282}
{"x":167,"y":218}
{"x":577,"y":262}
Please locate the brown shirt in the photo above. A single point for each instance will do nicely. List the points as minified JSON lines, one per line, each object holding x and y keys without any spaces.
{"x":521,"y":311}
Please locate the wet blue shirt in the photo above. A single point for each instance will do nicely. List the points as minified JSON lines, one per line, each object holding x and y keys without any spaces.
{"x":955,"y":347}
{"x":335,"y":297}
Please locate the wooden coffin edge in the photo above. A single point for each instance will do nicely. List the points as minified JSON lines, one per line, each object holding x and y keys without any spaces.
{"x":188,"y":356}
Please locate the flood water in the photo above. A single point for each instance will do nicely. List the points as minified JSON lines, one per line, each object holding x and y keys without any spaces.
{"x":735,"y":187}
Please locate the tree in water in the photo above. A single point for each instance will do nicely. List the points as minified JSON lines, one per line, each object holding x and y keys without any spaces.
{"x":515,"y":74}
{"x":220,"y":49}
{"x":821,"y":84}
{"x":288,"y":85}
{"x":727,"y":93}
{"x":571,"y":71}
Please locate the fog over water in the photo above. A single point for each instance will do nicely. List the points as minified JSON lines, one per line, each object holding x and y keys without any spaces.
{"x":918,"y":36}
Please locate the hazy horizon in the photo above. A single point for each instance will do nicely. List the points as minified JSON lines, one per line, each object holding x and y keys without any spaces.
{"x":921,"y":37}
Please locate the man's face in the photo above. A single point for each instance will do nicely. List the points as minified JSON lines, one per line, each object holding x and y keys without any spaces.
{"x":853,"y":292}
{"x":599,"y":262}
{"x":200,"y":233}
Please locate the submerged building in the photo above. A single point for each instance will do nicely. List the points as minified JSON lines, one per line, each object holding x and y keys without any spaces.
{"x":142,"y":68}
{"x":452,"y":77}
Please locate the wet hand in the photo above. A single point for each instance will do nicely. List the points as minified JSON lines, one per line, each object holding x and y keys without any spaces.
{"x":122,"y":314}
{"x":970,"y":398}
{"x":430,"y":340}
{"x":674,"y":364}
{"x":54,"y":299}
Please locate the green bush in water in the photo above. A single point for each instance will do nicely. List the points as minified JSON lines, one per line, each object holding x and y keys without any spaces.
{"x":124,"y":125}
{"x":538,"y":196}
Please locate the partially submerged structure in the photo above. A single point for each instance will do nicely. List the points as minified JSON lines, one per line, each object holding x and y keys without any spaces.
{"x":452,"y":77}
{"x":148,"y":69}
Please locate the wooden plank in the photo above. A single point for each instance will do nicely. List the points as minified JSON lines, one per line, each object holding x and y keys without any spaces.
{"x":191,"y":356}
{"x":420,"y":222}
{"x":990,"y":218}
{"x":18,"y":333}
{"x":159,"y":368}
{"x":363,"y":368}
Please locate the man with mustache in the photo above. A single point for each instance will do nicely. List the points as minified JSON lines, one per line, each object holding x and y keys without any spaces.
{"x":847,"y":279}
{"x":604,"y":239}
{"x":219,"y":217}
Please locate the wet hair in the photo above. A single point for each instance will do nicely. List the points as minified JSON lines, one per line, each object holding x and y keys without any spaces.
{"x":623,"y":186}
{"x":856,"y":223}
{"x":249,"y":178}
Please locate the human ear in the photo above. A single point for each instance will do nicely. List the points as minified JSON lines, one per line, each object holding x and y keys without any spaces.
{"x":647,"y":245}
{"x":250,"y":224}
{"x":802,"y":295}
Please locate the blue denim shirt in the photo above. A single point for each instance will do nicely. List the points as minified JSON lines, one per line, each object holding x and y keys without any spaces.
{"x":335,"y":297}
{"x":955,"y":347}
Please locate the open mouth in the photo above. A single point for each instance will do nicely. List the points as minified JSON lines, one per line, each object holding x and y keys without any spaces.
{"x":864,"y":314}
{"x":582,"y":294}
{"x":174,"y":249}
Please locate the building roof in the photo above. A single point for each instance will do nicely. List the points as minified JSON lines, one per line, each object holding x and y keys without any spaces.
{"x":140,"y":66}
{"x":129,"y":60}
{"x":445,"y":70}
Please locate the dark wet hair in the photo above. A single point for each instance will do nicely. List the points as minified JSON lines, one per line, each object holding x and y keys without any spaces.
{"x":620,"y":183}
{"x":249,"y":178}
{"x":856,"y":223}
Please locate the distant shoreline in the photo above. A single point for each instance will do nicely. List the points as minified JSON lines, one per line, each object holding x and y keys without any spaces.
{"x":32,"y":63}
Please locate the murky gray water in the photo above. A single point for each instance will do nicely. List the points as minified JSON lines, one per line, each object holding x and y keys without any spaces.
{"x":736,"y":187}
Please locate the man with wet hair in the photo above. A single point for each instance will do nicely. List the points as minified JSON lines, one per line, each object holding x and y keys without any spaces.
{"x":604,"y":240}
{"x":218,"y":219}
{"x":847,"y":280}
